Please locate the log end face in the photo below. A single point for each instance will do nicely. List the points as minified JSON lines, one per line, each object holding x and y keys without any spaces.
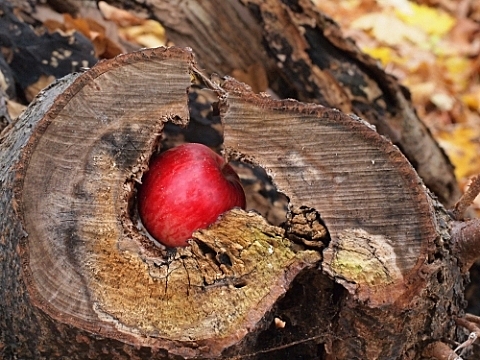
{"x":86,"y":260}
{"x":375,"y":207}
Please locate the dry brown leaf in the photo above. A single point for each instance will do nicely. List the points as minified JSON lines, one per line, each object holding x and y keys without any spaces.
{"x":255,"y":76}
{"x":465,"y":37}
{"x":105,"y":48}
{"x":32,"y":90}
{"x":14,"y":108}
{"x":122,"y":18}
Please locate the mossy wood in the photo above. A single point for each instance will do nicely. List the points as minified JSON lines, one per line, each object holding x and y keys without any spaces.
{"x":81,"y":279}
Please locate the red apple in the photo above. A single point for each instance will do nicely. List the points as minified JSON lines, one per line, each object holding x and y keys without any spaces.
{"x":185,"y":189}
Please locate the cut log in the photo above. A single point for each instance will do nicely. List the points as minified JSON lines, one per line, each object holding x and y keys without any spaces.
{"x":363,"y":261}
{"x":363,"y":187}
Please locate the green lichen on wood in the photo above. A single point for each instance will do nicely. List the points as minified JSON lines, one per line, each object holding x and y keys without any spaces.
{"x":361,"y":261}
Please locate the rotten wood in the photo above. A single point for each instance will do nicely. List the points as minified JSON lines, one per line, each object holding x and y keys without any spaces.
{"x":302,"y":54}
{"x":364,"y":189}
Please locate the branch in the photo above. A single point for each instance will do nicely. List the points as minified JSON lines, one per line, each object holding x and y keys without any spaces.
{"x":466,"y":238}
{"x":466,"y":234}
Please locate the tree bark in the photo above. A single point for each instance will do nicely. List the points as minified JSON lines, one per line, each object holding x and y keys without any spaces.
{"x":362,"y":268}
{"x":293,"y":49}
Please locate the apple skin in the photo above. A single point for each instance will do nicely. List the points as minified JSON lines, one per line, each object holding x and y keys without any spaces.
{"x":185,"y":189}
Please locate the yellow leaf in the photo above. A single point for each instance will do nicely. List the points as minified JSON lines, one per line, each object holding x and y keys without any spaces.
{"x":149,"y":34}
{"x":472,"y":100}
{"x":389,"y":29}
{"x":458,"y":71}
{"x":385,"y":54}
{"x":430,"y":20}
{"x":463,"y":148}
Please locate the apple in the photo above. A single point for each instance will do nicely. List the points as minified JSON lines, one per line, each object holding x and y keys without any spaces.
{"x":185,"y":189}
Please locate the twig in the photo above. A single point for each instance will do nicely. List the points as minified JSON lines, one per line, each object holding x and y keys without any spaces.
{"x":472,"y":337}
{"x":276,"y":348}
{"x":473,"y":319}
{"x":467,"y":198}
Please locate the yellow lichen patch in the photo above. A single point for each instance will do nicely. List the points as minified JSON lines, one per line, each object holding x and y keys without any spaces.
{"x":357,"y":259}
{"x":362,"y":262}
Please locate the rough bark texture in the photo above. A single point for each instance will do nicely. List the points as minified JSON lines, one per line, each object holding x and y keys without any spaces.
{"x":81,"y":279}
{"x":299,"y":53}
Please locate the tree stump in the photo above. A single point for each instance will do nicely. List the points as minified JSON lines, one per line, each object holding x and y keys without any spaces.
{"x":365,"y":266}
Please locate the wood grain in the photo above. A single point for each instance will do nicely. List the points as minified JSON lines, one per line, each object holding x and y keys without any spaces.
{"x":361,"y":184}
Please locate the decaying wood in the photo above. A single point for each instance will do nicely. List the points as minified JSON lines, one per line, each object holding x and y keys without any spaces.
{"x":364,"y":189}
{"x":362,"y":268}
{"x":303,"y":54}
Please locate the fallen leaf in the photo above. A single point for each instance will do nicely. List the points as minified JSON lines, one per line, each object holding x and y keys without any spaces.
{"x":458,"y":71}
{"x":462,"y":145}
{"x":14,"y":108}
{"x":149,"y":34}
{"x":104,"y":47}
{"x":430,"y":20}
{"x":389,"y":29}
{"x":122,"y":18}
{"x":472,"y":99}
{"x":384,"y":54}
{"x":32,"y":90}
{"x":255,"y":76}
